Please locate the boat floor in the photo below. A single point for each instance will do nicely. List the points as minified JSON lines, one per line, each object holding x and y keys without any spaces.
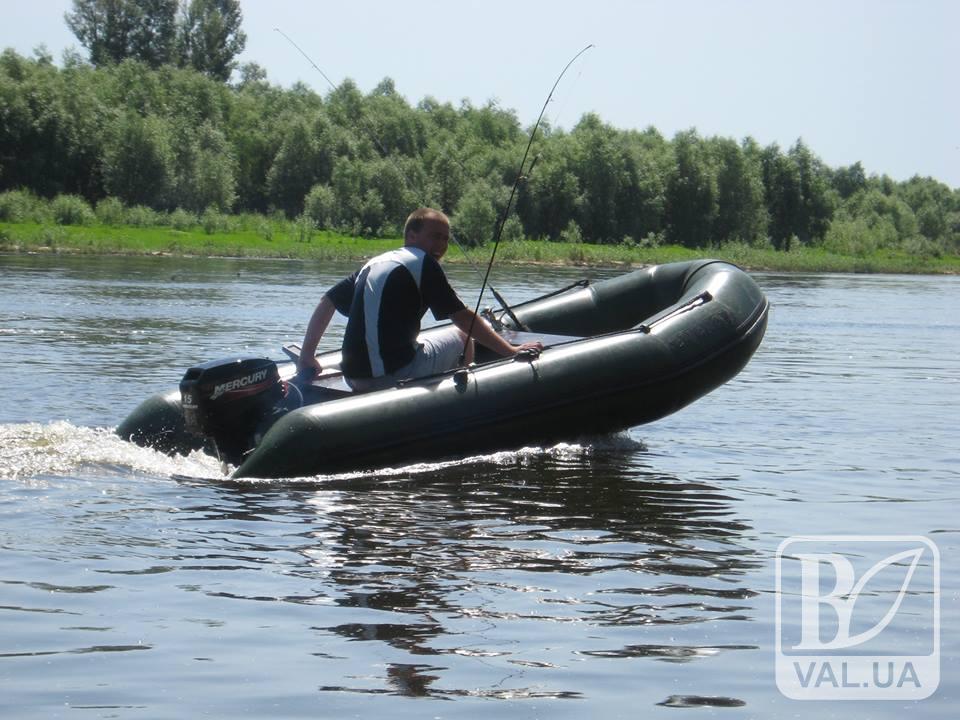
{"x":330,"y":383}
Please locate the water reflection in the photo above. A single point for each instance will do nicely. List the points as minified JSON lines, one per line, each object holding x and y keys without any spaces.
{"x":692,"y":701}
{"x":447,"y":565}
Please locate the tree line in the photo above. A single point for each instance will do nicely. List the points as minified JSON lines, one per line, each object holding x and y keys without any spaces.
{"x":175,"y":135}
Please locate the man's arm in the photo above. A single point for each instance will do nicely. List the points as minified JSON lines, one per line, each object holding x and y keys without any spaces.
{"x":308,"y":363}
{"x":486,"y":336}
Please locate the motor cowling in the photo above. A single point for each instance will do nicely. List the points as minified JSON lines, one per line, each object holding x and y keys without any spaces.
{"x":231,"y":402}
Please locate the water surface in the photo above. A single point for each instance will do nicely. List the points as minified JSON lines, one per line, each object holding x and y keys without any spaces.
{"x":624,"y":576}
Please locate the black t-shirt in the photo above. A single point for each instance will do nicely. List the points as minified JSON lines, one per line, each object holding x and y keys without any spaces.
{"x":384,"y":302}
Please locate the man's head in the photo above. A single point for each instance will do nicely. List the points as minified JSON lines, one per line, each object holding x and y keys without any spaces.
{"x":429,"y":230}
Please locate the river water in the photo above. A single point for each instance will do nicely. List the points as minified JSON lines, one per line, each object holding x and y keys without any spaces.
{"x":620,"y":577}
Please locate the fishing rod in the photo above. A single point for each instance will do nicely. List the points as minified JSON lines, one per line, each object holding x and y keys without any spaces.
{"x":383,"y":151}
{"x":520,"y":325}
{"x":513,"y":192}
{"x":367,"y":129}
{"x":503,"y":303}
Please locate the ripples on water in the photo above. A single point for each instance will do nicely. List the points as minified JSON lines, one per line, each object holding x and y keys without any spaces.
{"x":514,"y":575}
{"x":624,"y":576}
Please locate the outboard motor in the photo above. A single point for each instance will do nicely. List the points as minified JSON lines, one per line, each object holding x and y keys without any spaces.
{"x":232,"y":402}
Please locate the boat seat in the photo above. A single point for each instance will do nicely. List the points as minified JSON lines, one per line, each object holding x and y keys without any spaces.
{"x":328,"y":385}
{"x":332,"y":380}
{"x":331,"y":385}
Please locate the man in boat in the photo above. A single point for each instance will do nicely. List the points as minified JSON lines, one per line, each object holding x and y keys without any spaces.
{"x":384,"y":303}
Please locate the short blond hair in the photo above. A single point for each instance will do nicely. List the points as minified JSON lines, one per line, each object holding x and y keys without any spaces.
{"x":418,"y":217}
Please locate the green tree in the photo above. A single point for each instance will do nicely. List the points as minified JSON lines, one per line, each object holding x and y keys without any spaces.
{"x":935,"y":206}
{"x":871,"y":205}
{"x":490,"y":124}
{"x":115,"y":30}
{"x":783,"y":196}
{"x":372,"y":215}
{"x":26,"y":93}
{"x":204,"y":175}
{"x":817,"y":201}
{"x":139,"y":161}
{"x":304,"y":159}
{"x":600,"y":168}
{"x":848,"y":180}
{"x":550,"y":199}
{"x":641,"y":201}
{"x":344,"y":106}
{"x":741,"y":213}
{"x":443,"y":165}
{"x":475,"y":219}
{"x":256,"y":125}
{"x":395,"y":125}
{"x":349,"y":186}
{"x":211,"y":37}
{"x":252,"y":75}
{"x":50,"y":127}
{"x":391,"y":180}
{"x":320,"y":205}
{"x":692,"y":194}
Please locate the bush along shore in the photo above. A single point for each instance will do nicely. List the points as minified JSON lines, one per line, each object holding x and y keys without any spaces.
{"x":67,"y":224}
{"x":143,"y":141}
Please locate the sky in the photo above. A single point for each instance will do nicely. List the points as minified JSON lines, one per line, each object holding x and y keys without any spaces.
{"x":873,"y":81}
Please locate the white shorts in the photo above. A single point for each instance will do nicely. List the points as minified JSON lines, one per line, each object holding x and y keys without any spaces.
{"x":436,"y":353}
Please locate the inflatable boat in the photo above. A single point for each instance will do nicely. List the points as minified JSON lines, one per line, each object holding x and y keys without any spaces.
{"x":617,"y":353}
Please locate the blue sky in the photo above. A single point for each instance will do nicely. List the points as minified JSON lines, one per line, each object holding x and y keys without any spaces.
{"x":873,"y":81}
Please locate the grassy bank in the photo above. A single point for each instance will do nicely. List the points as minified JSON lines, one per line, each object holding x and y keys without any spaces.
{"x":287,"y":240}
{"x":278,"y":242}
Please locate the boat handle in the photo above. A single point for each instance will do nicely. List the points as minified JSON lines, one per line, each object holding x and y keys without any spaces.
{"x":692,"y":303}
{"x":527,"y":355}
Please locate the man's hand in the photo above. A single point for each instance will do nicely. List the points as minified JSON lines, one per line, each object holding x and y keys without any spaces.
{"x":308,"y":367}
{"x":529,"y":349}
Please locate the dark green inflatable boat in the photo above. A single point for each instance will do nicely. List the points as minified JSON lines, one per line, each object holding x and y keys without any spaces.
{"x":618,"y":353}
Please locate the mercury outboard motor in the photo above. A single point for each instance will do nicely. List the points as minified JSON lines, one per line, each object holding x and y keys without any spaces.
{"x":232,"y":402}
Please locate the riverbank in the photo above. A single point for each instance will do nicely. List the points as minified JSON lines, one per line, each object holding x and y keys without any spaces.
{"x":329,"y":246}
